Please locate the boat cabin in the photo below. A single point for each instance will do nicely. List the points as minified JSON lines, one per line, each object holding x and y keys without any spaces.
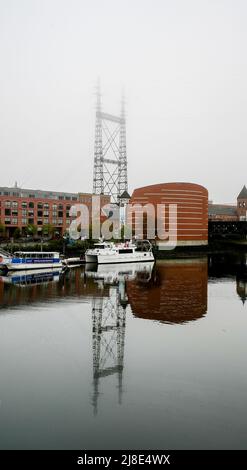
{"x":36,"y":255}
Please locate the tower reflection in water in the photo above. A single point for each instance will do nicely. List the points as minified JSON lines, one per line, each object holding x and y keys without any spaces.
{"x":173,"y":292}
{"x":109,"y":321}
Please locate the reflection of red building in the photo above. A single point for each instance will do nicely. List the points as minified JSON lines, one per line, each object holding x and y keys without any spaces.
{"x":192,"y":209}
{"x":177,"y":292}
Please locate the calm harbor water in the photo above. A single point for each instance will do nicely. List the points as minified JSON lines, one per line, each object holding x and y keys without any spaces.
{"x":127,"y":357}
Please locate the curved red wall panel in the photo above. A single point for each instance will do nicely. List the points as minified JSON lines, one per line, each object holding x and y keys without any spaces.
{"x":192,"y":208}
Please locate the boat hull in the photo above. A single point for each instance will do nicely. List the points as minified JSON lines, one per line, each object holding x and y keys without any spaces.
{"x":119,"y":258}
{"x":28,"y":266}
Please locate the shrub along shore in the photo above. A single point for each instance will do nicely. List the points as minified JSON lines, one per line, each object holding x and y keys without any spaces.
{"x":79,"y":247}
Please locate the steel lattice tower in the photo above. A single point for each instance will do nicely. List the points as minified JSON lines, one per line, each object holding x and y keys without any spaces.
{"x":110,"y":158}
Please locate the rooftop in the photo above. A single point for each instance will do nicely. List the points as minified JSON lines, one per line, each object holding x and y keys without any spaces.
{"x":125,"y":195}
{"x":222,"y":209}
{"x":36,"y":193}
{"x":243,"y":193}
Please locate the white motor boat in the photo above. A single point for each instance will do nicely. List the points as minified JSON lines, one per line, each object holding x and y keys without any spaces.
{"x":128,"y":252}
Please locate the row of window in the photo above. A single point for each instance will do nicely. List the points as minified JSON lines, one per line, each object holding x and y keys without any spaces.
{"x":11,"y":204}
{"x":40,"y":205}
{"x":86,"y":199}
{"x":45,"y":196}
{"x":26,"y":221}
{"x":30,"y":213}
{"x":242,"y":204}
{"x":13,"y":221}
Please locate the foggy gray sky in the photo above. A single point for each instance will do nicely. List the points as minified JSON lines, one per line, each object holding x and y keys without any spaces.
{"x":183,"y":65}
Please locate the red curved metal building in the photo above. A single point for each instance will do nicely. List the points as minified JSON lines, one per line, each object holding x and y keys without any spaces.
{"x":191,"y":201}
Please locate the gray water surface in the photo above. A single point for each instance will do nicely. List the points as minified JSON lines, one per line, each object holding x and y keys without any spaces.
{"x":125,"y":357}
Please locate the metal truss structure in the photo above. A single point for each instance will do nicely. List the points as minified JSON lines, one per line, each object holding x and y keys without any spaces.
{"x":109,"y":320}
{"x":110,"y":158}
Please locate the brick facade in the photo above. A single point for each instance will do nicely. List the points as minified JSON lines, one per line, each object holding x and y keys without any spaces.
{"x":230,"y":212}
{"x":242,"y":204}
{"x":22,"y":207}
{"x":192,"y":209}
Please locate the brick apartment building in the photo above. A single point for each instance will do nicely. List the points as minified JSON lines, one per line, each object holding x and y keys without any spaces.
{"x":22,"y":207}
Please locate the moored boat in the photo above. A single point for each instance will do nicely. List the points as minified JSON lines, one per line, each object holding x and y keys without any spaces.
{"x":5,"y":258}
{"x":128,"y":252}
{"x":22,"y":260}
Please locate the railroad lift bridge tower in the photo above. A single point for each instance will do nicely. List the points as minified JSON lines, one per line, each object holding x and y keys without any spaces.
{"x":110,"y":158}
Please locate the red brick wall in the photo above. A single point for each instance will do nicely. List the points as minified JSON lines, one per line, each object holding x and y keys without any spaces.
{"x":63,"y":207}
{"x":242,"y":208}
{"x":223,"y":218}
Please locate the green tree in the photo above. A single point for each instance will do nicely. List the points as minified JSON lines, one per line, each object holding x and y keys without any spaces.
{"x":17,"y":233}
{"x":2,"y":230}
{"x":48,"y":230}
{"x":31,"y":229}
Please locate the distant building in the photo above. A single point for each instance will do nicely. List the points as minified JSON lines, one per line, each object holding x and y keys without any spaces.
{"x":124,"y":198}
{"x":242,"y":204}
{"x":224,"y":212}
{"x":123,"y":202}
{"x":230,"y":212}
{"x":22,"y":207}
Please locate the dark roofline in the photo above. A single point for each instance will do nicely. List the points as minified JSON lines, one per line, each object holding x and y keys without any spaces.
{"x":243,"y":193}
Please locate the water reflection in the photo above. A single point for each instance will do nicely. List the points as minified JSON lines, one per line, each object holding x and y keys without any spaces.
{"x":25,"y":288}
{"x":109,"y":320}
{"x":176,"y":293}
{"x":34,"y":277}
{"x":242,"y":288}
{"x":171,"y":291}
{"x":78,"y":339}
{"x":230,"y":266}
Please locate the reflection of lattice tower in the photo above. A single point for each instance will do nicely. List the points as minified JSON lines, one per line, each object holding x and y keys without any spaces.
{"x":109,"y":319}
{"x":110,"y":158}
